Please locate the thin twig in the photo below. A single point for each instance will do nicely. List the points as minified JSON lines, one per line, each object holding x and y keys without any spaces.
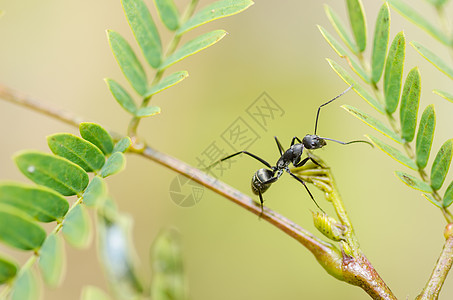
{"x":355,"y":270}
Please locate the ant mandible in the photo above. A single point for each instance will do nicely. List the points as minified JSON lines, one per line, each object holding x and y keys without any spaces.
{"x":263,"y":178}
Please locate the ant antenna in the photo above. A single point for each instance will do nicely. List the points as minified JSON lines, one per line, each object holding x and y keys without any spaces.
{"x":319,"y":108}
{"x":347,"y":143}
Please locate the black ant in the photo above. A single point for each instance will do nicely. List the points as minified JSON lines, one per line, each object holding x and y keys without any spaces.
{"x":263,"y":178}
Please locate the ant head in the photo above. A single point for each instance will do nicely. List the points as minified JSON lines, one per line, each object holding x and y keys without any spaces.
{"x":312,"y":141}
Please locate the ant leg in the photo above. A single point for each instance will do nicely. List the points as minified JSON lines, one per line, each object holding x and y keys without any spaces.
{"x":301,"y":181}
{"x":319,"y":108}
{"x":273,"y":179}
{"x":261,"y":204}
{"x":294,"y":140}
{"x":280,"y":148}
{"x":237,"y":153}
{"x":304,"y":161}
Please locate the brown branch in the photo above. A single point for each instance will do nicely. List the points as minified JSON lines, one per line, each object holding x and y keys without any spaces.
{"x":355,"y":269}
{"x":440,"y":272}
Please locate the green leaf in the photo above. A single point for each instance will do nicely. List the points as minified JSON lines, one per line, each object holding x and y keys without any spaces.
{"x":26,"y":286}
{"x":121,"y":96}
{"x":380,"y":44}
{"x":122,"y":145}
{"x":444,"y":95}
{"x":77,"y":227}
{"x":90,"y":292}
{"x":147,"y":111}
{"x":414,"y":182}
{"x":355,"y":66}
{"x":168,"y":13}
{"x":340,"y":29}
{"x":52,"y":171}
{"x":431,"y":199}
{"x":8,"y":270}
{"x":373,"y":123}
{"x":52,"y":260}
{"x":434,"y":59}
{"x":95,"y":192}
{"x":441,"y":164}
{"x":394,"y":153}
{"x":167,"y":266}
{"x":97,"y":135}
{"x":214,"y":11}
{"x":358,"y":22}
{"x":394,"y":72}
{"x":438,"y":3}
{"x":77,"y":150}
{"x":145,"y":31}
{"x":356,"y":86}
{"x":18,"y":230}
{"x":128,"y":62}
{"x":416,"y":18}
{"x":448,"y":196}
{"x":38,"y":202}
{"x":114,"y":164}
{"x":193,"y":46}
{"x":425,"y":136}
{"x":410,"y":100}
{"x":167,"y":82}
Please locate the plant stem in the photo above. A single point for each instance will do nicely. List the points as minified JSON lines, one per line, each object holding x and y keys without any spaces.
{"x":355,"y":270}
{"x":440,"y":272}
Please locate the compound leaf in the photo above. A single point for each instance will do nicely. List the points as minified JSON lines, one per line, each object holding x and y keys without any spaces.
{"x":355,"y":66}
{"x":121,"y":96}
{"x":214,"y":11}
{"x":148,"y":111}
{"x":393,"y":73}
{"x":52,"y":260}
{"x":394,"y":153}
{"x":362,"y":92}
{"x":97,"y":135}
{"x":115,"y":163}
{"x":434,"y":59}
{"x":448,"y":196}
{"x":168,"y":13}
{"x":380,"y":43}
{"x":144,"y":30}
{"x":95,"y":192}
{"x":122,"y":145}
{"x":373,"y":123}
{"x":441,"y":164}
{"x":444,"y":95}
{"x":358,"y":22}
{"x":77,"y":227}
{"x":38,"y":202}
{"x":8,"y":270}
{"x":128,"y":62}
{"x":410,"y":100}
{"x":167,"y":82}
{"x":414,"y":182}
{"x":77,"y":150}
{"x":52,"y":171}
{"x":26,"y":286}
{"x":416,"y":18}
{"x":193,"y":46}
{"x":18,"y":230}
{"x":340,"y":29}
{"x":425,"y":136}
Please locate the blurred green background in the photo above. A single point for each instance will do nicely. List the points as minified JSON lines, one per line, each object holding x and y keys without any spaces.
{"x":57,"y":52}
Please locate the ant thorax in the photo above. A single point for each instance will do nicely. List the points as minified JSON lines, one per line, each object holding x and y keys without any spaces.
{"x":313,"y":141}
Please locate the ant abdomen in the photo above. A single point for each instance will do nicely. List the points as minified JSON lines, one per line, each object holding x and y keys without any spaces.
{"x":259,"y":179}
